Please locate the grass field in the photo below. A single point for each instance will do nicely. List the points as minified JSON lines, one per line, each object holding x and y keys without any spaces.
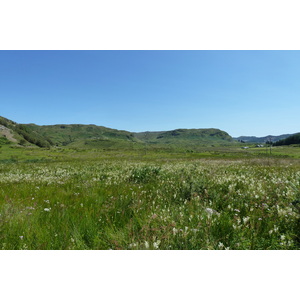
{"x":212,"y":198}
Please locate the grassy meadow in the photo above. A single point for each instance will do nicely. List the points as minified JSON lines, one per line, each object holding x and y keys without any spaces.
{"x":149,"y":198}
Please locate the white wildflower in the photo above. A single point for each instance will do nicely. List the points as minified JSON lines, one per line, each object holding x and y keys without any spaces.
{"x":246,"y":219}
{"x":156,"y":244}
{"x":47,"y":209}
{"x":146,"y":245}
{"x":211,"y":211}
{"x":221,"y":245}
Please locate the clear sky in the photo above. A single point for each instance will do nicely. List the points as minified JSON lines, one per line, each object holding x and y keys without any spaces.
{"x":240,"y":92}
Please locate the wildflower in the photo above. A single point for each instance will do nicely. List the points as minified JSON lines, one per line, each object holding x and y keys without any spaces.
{"x":211,"y":211}
{"x":156,"y":244}
{"x":47,"y":201}
{"x":246,"y":219}
{"x":146,"y":245}
{"x":21,"y":237}
{"x":175,"y":230}
{"x":47,"y":209}
{"x":221,"y":245}
{"x":132,"y":245}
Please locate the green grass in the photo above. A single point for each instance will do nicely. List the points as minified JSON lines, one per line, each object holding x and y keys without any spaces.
{"x":227,"y":198}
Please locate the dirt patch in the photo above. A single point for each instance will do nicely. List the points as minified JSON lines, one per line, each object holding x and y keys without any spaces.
{"x":6,"y":132}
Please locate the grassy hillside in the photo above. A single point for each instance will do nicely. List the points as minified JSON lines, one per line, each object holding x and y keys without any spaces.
{"x":22,"y":134}
{"x":186,"y":137}
{"x":83,"y":135}
{"x":92,"y":136}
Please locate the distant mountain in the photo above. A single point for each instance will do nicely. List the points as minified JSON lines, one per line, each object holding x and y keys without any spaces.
{"x":268,"y":138}
{"x":293,"y":139}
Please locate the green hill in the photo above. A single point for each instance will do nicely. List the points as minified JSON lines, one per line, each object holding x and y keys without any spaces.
{"x":77,"y":135}
{"x":186,"y":137}
{"x":93,"y":136}
{"x":21,"y":134}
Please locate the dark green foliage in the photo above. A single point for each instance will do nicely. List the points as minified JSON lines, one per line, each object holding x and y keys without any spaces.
{"x":31,"y":136}
{"x":4,"y":141}
{"x":81,"y":135}
{"x":144,"y":174}
{"x":6,"y":122}
{"x":294,"y":139}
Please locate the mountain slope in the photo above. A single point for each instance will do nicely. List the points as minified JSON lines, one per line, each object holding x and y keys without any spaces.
{"x":82,"y":135}
{"x":93,"y":136}
{"x":22,"y":134}
{"x":185,"y":136}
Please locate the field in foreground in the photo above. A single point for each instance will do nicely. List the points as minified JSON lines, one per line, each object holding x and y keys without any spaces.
{"x":143,"y":203}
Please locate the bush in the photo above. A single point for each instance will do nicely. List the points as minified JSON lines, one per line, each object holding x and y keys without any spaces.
{"x":144,"y":174}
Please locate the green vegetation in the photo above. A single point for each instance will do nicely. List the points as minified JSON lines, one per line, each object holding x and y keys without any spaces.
{"x":4,"y":141}
{"x":186,"y":137}
{"x":63,"y":198}
{"x":291,"y":140}
{"x":77,"y":135}
{"x":24,"y":134}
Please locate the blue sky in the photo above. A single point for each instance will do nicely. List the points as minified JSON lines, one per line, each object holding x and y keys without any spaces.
{"x":240,"y":92}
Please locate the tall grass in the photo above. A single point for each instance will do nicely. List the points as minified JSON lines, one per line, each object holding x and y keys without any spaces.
{"x":114,"y":204}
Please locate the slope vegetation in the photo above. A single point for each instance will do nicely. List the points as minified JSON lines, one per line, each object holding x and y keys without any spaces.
{"x":22,"y":134}
{"x":92,"y":136}
{"x":185,"y":137}
{"x":293,"y":139}
{"x":83,"y":135}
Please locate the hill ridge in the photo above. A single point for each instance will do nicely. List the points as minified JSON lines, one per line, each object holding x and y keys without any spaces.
{"x":91,"y":135}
